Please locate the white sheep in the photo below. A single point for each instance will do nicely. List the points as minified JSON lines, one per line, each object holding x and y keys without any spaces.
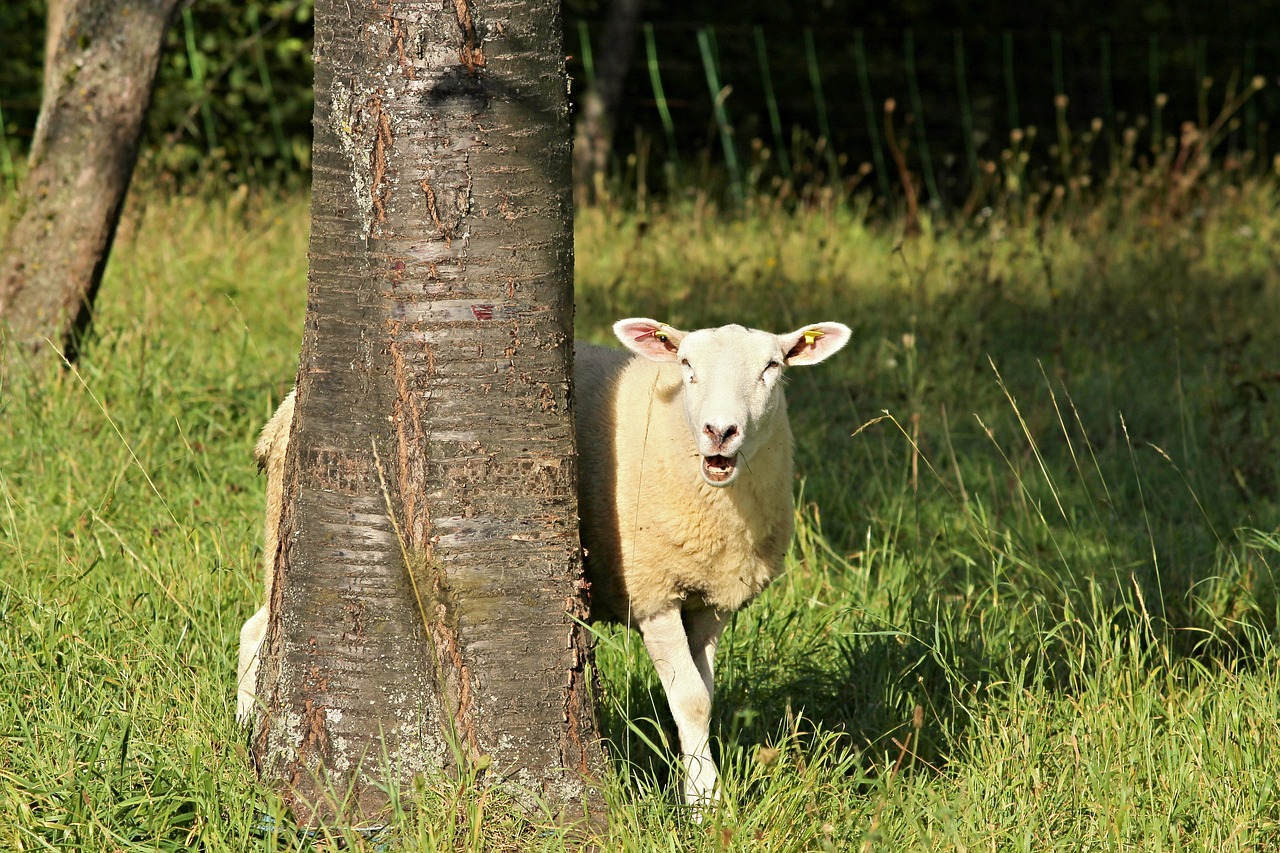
{"x":684,"y":491}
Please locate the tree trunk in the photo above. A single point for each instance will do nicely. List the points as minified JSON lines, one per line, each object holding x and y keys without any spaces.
{"x":429,"y":575}
{"x":99,"y":73}
{"x":593,"y":138}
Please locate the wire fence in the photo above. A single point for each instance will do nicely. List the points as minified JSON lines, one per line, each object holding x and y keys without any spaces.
{"x":735,"y":104}
{"x":813,"y":102}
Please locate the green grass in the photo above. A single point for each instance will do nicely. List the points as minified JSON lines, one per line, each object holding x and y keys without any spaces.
{"x":1030,"y":604}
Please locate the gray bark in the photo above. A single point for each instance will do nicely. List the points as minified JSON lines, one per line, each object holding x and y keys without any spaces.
{"x":429,"y":575}
{"x":99,"y":74}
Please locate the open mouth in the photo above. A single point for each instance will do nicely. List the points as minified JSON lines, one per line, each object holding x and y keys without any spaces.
{"x":719,"y":470}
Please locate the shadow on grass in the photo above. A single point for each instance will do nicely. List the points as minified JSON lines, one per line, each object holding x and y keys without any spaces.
{"x":885,"y":695}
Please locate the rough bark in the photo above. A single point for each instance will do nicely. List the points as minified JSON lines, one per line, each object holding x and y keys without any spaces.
{"x":593,"y":137}
{"x":99,"y":76}
{"x":429,"y":575}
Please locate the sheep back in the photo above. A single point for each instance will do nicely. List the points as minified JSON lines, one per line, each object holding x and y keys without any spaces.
{"x":270,"y":452}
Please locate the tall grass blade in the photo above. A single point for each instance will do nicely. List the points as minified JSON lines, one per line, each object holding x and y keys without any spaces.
{"x":1108,"y":98}
{"x":820,"y":102}
{"x":869,"y":108}
{"x":196,"y":61}
{"x":771,"y":102}
{"x":588,"y":61}
{"x":917,"y":107}
{"x":1251,"y":105}
{"x":718,"y":96}
{"x":1031,"y":440}
{"x":1055,"y":50}
{"x":966,"y":109}
{"x":660,"y":99}
{"x":264,"y":75}
{"x":1202,"y":82}
{"x":1010,"y":86}
{"x":1153,"y":75}
{"x":1146,"y":520}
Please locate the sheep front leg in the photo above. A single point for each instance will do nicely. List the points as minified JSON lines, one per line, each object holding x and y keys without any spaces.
{"x":690,"y":701}
{"x":251,"y":637}
{"x":704,"y":628}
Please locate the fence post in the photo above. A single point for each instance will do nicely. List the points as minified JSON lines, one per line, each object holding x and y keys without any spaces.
{"x":877,"y":156}
{"x":775,"y":119}
{"x":824,"y":127}
{"x":1055,"y":48}
{"x":718,"y":95}
{"x":1202,"y":77}
{"x":966,"y":112}
{"x":917,"y":107}
{"x":1153,"y":71}
{"x":1010,"y":88}
{"x":1108,"y":105}
{"x":264,"y":75}
{"x":660,"y":98}
{"x":584,"y":48}
{"x":1251,"y":105}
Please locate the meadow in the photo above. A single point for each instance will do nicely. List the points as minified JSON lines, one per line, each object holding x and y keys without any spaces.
{"x":1031,"y":602}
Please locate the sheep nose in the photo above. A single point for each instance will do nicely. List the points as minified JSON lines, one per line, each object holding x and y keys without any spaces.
{"x":720,"y":435}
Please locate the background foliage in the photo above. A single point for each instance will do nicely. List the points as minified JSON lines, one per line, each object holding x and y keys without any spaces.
{"x":234,"y":97}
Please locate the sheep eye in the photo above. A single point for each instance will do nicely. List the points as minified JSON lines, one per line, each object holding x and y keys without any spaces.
{"x":773,"y":365}
{"x":688,"y":369}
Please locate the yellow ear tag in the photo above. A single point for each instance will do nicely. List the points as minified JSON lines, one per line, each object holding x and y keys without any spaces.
{"x":811,"y":335}
{"x":660,"y":334}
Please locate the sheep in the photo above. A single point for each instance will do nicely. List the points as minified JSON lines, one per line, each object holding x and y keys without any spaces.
{"x":269,"y":451}
{"x":684,"y":494}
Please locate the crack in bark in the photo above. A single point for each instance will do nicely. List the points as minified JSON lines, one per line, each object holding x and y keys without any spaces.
{"x":382,"y":140}
{"x":411,"y":442}
{"x":573,"y":698}
{"x":397,"y":44}
{"x":446,"y":637}
{"x":472,"y":54}
{"x":435,"y":213}
{"x":315,"y":742}
{"x":440,"y":622}
{"x":315,"y":737}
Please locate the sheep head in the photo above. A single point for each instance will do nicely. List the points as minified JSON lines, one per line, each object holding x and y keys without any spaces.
{"x":732,"y":381}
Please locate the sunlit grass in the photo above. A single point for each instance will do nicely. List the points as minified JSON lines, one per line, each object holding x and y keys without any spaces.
{"x":1030,"y":603}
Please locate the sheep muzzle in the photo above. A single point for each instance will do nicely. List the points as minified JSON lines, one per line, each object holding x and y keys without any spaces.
{"x":719,"y":470}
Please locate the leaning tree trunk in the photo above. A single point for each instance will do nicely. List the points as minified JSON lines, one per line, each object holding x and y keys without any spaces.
{"x":428,"y":578}
{"x":99,"y":72}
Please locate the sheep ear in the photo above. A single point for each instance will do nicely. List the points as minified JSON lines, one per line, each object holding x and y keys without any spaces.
{"x":814,"y":343}
{"x":649,"y":338}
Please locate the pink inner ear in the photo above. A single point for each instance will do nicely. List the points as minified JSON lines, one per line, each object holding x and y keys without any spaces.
{"x":649,"y":338}
{"x":797,"y":349}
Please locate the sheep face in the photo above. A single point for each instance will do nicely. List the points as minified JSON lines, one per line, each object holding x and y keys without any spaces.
{"x":732,"y":381}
